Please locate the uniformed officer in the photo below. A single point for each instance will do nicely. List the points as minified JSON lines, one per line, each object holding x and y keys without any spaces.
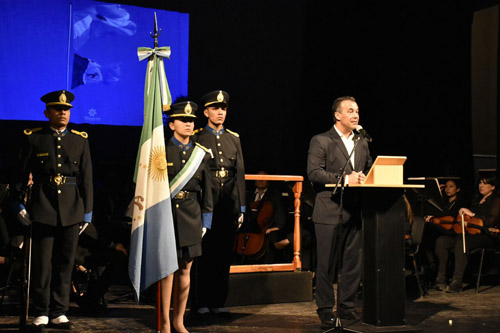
{"x":188,"y":173}
{"x":228,"y":187}
{"x":61,"y":201}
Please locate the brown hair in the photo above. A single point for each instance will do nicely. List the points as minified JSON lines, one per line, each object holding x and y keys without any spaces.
{"x":338,"y":101}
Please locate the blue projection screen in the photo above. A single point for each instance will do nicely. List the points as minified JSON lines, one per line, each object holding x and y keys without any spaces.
{"x":89,"y":48}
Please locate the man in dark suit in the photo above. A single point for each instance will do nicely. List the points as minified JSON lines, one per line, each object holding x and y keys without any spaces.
{"x":338,"y":233}
{"x":227,"y":174}
{"x":61,"y":201}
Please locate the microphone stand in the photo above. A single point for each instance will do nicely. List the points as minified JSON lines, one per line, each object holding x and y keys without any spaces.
{"x":341,"y":183}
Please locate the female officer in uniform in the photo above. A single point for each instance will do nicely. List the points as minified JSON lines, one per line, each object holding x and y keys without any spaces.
{"x":191,"y":193}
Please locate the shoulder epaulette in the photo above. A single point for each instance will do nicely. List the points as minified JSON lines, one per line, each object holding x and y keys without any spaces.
{"x":203,"y":147}
{"x":30,"y":131}
{"x":207,"y":150}
{"x":82,"y":134}
{"x":233,"y":133}
{"x":197,"y":131}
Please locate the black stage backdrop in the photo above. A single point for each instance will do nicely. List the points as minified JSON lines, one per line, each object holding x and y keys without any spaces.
{"x":284,"y":62}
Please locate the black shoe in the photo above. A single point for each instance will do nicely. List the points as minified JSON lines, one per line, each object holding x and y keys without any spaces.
{"x":327,"y":318}
{"x":63,"y":326}
{"x":349,"y":315}
{"x":440,"y":284}
{"x":454,"y":287}
{"x":97,"y":308}
{"x":36,"y":328}
{"x":61,"y":322}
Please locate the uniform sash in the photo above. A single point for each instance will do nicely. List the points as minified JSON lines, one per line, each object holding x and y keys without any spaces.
{"x":187,"y":172}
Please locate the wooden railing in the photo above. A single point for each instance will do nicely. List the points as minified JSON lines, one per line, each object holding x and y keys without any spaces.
{"x":296,"y":264}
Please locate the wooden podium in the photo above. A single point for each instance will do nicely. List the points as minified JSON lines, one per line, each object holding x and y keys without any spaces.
{"x":383,"y":216}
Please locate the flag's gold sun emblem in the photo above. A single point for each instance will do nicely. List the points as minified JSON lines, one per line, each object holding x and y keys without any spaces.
{"x":158,"y":164}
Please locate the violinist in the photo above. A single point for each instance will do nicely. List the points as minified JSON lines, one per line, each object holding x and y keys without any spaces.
{"x":486,"y":208}
{"x":453,"y":200}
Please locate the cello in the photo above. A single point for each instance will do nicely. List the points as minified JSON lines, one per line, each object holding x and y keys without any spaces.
{"x":251,"y":239}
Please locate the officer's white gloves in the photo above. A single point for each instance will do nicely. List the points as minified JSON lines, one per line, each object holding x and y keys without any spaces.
{"x":240,"y":220}
{"x":203,"y":232}
{"x":24,"y":218}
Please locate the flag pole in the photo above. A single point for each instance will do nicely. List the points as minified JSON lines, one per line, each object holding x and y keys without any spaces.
{"x":158,"y":306}
{"x":156,"y":34}
{"x":158,"y":284}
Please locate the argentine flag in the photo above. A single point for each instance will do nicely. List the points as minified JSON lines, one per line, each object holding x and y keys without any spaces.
{"x":153,"y":253}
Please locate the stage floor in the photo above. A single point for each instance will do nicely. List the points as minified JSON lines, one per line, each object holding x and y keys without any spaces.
{"x":436,"y":312}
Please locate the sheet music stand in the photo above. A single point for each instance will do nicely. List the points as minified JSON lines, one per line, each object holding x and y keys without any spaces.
{"x":434,"y":201}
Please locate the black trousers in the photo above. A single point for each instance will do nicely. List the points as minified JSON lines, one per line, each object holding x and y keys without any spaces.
{"x":447,"y":244}
{"x":330,"y":248}
{"x":53,"y":254}
{"x":210,"y":273}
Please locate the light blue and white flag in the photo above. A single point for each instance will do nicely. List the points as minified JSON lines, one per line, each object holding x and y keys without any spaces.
{"x":153,"y":253}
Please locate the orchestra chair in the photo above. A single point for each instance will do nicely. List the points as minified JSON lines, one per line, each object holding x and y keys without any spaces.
{"x":493,"y":251}
{"x":412,"y":247}
{"x":13,"y":267}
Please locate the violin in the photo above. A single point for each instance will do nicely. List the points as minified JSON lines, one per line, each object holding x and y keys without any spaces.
{"x":473,"y":225}
{"x":445,"y":222}
{"x":251,"y":240}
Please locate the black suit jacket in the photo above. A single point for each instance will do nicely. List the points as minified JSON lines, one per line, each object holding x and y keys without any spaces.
{"x":327,"y":155}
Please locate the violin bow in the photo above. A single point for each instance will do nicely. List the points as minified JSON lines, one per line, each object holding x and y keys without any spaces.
{"x":463,"y":231}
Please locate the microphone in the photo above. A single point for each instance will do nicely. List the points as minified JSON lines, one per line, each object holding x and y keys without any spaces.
{"x":364,"y":133}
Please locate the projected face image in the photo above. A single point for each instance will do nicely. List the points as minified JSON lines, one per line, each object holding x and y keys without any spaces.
{"x":216,"y":115}
{"x":93,"y":52}
{"x":58,"y":119}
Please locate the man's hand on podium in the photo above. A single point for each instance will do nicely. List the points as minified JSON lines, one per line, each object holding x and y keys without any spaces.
{"x":356,"y":177}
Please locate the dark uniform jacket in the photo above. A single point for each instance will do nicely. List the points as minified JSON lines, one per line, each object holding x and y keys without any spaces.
{"x":187,"y":212}
{"x":327,"y":155}
{"x":46,"y":156}
{"x":228,"y":158}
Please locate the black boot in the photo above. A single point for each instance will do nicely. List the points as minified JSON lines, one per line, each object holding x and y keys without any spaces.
{"x":455,"y":286}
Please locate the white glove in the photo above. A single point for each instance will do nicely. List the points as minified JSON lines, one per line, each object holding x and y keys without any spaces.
{"x":24,"y":218}
{"x":203,"y":232}
{"x":82,"y":227}
{"x":240,"y":220}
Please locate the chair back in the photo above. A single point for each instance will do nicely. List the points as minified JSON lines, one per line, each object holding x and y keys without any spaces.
{"x":417,"y":230}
